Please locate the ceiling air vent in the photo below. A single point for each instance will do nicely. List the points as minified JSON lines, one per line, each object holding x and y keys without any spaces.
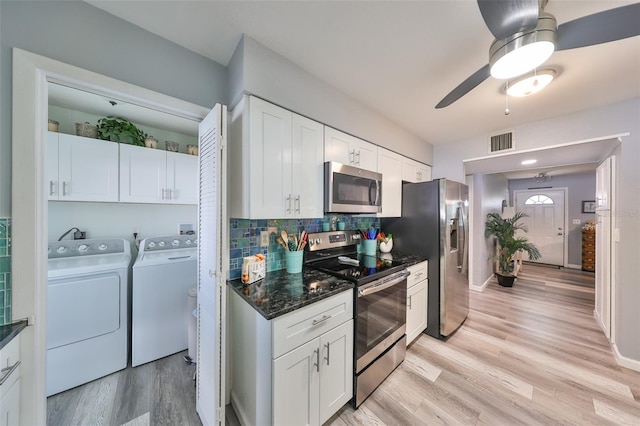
{"x":501,"y":143}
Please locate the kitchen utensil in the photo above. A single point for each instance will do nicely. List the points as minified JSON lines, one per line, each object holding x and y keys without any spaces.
{"x":283,"y":244}
{"x":285,"y":236}
{"x":348,"y":261}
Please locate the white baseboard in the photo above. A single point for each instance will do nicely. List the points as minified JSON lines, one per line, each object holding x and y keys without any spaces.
{"x":623,"y":361}
{"x":571,"y":266}
{"x":237,"y":407}
{"x":481,"y":287}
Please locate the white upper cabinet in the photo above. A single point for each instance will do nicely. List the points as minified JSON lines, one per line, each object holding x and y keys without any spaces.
{"x":413,"y":171}
{"x":390,"y":165}
{"x":156,"y":176}
{"x":276,"y":163}
{"x":81,"y":169}
{"x":346,"y":149}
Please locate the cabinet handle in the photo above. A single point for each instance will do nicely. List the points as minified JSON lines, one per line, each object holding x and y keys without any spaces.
{"x":328,"y":352}
{"x":289,"y":204}
{"x":163,"y":191}
{"x":409,"y":301}
{"x":419,"y":175}
{"x":317,"y":363}
{"x":50,"y":187}
{"x":358,"y":154}
{"x":6,"y":372}
{"x":323,"y":319}
{"x":170,"y":194}
{"x":352,"y":157}
{"x":297,"y":203}
{"x":64,"y":188}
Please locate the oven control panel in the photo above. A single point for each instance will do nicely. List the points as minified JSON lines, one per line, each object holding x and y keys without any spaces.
{"x":332,"y":239}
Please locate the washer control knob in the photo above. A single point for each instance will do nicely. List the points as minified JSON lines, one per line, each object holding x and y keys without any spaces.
{"x":176,"y":242}
{"x":102,"y":246}
{"x":152,"y":244}
{"x":62,"y":249}
{"x":83,"y":248}
{"x":188,"y":242}
{"x":161,"y":243}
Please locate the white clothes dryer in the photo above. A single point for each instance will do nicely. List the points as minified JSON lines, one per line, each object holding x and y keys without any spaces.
{"x":87,"y":311}
{"x":164,"y":271}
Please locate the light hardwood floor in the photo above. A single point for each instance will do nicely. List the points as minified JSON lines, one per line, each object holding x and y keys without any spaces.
{"x":531,"y":354}
{"x":158,"y":393}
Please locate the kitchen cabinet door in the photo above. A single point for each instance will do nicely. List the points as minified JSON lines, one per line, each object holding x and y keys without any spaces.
{"x":336,"y":371}
{"x":390,"y":165}
{"x":296,"y":386}
{"x":424,"y":172}
{"x":270,"y":160}
{"x":416,"y":310}
{"x":346,"y":149}
{"x":87,"y":169}
{"x":143,"y":174}
{"x":10,"y":388}
{"x":182,"y":178}
{"x":307,"y":185}
{"x":52,"y":165}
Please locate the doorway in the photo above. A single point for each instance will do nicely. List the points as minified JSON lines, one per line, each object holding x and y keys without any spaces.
{"x":31,"y":76}
{"x":546,"y":222}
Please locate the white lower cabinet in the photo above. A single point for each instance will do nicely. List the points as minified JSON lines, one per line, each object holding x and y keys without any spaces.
{"x":417,"y":284}
{"x":296,"y":369}
{"x":10,"y":383}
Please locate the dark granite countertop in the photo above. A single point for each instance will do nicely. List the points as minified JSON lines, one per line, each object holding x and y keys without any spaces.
{"x":408,"y":259}
{"x":279,"y":292}
{"x":9,"y":331}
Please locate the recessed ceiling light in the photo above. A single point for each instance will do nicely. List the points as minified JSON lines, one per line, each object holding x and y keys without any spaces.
{"x":527,"y":162}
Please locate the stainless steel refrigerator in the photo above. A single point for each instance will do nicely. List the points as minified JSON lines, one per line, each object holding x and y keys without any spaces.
{"x":435,"y":223}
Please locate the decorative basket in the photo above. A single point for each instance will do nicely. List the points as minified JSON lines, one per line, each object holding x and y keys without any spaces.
{"x":172,"y":146}
{"x":87,"y":130}
{"x":53,"y":125}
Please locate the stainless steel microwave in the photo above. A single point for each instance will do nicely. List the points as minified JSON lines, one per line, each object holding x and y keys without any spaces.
{"x":349,"y":189}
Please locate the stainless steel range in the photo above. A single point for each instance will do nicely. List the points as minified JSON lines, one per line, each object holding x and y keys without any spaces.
{"x":379,"y":300}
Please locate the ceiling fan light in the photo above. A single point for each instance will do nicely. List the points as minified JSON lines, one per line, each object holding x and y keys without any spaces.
{"x":523,"y":52}
{"x":530,"y":84}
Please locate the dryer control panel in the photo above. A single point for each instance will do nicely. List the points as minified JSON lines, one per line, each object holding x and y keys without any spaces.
{"x":168,"y":243}
{"x":73,"y":248}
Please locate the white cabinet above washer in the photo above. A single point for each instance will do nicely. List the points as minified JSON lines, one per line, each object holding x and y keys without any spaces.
{"x":81,"y":169}
{"x":157,"y":176}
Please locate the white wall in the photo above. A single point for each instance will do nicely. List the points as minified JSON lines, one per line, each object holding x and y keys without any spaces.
{"x":257,"y":70}
{"x":118,"y":220}
{"x":488,"y":193}
{"x":608,"y":120}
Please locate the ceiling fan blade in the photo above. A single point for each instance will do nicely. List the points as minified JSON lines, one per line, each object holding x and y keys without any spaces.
{"x":505,"y":18}
{"x":465,"y":87}
{"x":603,"y":27}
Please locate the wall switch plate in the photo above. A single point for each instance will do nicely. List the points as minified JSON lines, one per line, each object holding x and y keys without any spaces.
{"x":576,"y":221}
{"x":264,"y":238}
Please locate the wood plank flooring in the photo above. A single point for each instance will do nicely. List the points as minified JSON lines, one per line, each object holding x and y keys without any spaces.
{"x":532,"y":354}
{"x":158,"y":393}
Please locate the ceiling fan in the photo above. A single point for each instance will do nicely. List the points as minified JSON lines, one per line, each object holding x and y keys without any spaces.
{"x":526,"y":36}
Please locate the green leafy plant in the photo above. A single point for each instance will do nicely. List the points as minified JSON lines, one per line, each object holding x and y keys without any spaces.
{"x":504,"y":230}
{"x":118,"y":129}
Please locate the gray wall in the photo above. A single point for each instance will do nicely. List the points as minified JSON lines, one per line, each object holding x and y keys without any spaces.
{"x":257,"y":70}
{"x":580,"y":187}
{"x":79,"y":34}
{"x":595,"y":123}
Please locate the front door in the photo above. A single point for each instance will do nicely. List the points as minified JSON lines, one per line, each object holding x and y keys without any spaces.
{"x":546,"y":222}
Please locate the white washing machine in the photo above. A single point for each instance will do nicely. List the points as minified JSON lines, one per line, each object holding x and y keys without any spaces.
{"x":87,"y":311}
{"x":163,"y":273}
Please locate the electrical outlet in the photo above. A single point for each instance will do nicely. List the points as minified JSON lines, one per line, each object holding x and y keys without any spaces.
{"x":264,"y":238}
{"x":576,"y":221}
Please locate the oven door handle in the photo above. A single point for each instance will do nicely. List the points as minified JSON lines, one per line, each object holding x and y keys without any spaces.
{"x":383,"y":285}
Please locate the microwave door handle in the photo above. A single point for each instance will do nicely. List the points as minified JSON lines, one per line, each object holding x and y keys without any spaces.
{"x":374,"y":201}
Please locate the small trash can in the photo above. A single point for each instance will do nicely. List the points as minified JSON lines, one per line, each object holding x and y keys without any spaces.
{"x":193,"y":327}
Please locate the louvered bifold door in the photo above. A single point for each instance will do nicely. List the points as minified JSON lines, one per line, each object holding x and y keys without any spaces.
{"x":211,"y":288}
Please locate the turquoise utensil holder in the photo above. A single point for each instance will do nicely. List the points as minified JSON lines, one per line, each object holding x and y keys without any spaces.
{"x":369,"y":247}
{"x":293,"y":261}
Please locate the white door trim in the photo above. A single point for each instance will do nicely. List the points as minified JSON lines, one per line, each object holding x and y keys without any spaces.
{"x":31,"y":74}
{"x":565,"y":248}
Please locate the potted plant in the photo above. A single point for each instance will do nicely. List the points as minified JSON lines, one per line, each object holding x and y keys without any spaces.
{"x":504,"y":230}
{"x":117,"y":129}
